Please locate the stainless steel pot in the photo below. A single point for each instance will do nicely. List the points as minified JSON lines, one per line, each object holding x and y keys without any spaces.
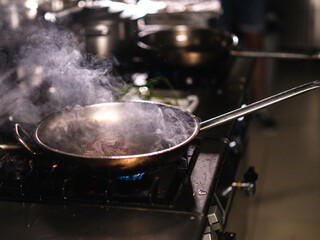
{"x":155,"y":133}
{"x":107,"y":33}
{"x":194,"y":47}
{"x":110,"y":36}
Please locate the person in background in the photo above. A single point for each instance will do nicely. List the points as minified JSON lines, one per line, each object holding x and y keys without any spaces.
{"x":247,"y":19}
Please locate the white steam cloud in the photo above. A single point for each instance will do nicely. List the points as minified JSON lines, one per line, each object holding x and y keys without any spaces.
{"x":52,"y":73}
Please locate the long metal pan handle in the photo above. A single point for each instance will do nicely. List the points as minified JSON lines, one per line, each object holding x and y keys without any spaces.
{"x":262,"y":54}
{"x":18,"y":136}
{"x":210,"y":123}
{"x":54,"y":16}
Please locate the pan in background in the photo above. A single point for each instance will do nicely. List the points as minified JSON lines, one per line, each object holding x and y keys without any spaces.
{"x":196,"y":47}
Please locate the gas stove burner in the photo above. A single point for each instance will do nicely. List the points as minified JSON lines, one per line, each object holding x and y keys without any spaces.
{"x":130,"y":184}
{"x":133,"y":177}
{"x":138,"y":188}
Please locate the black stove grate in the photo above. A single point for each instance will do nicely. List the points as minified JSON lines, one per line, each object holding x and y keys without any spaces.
{"x":48,"y":178}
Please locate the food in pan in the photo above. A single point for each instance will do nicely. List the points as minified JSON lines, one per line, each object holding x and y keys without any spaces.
{"x":113,"y":144}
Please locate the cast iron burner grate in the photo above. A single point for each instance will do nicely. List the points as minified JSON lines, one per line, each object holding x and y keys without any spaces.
{"x":45,"y":178}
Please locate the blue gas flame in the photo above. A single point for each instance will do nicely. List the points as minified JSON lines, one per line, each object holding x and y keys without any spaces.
{"x":132,"y":177}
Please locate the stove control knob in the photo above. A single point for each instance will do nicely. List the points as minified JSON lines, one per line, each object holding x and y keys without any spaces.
{"x":215,"y":218}
{"x":248,"y":187}
{"x":209,"y":234}
{"x":248,"y":184}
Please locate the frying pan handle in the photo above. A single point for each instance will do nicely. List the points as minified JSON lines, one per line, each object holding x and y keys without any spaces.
{"x":18,"y":128}
{"x":54,"y":16}
{"x":210,"y":123}
{"x":283,"y":55}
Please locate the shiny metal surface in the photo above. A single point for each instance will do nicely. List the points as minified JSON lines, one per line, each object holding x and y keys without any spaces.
{"x":259,"y":105}
{"x":68,"y":132}
{"x":106,"y":32}
{"x":283,"y":55}
{"x":188,"y":46}
{"x":194,"y":47}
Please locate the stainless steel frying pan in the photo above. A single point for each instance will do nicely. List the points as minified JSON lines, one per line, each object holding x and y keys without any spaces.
{"x":193,"y":47}
{"x":155,"y":133}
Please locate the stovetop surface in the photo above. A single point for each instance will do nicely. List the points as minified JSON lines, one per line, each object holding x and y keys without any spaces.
{"x":51,"y":178}
{"x":172,"y":201}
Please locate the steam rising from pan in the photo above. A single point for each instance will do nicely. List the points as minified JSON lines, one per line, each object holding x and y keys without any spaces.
{"x":146,"y":127}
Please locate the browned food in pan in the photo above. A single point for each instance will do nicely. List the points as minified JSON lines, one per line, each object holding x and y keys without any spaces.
{"x":113,"y":144}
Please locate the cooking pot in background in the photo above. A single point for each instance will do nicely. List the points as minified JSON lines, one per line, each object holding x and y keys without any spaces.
{"x":105,"y":32}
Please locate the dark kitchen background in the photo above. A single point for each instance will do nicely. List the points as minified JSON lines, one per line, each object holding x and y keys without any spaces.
{"x":58,"y":54}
